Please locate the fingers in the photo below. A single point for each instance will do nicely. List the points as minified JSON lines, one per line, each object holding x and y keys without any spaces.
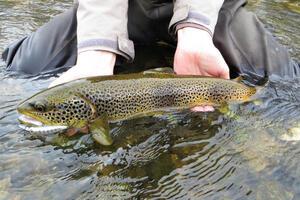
{"x":53,"y":83}
{"x":89,"y":64}
{"x":225,"y":72}
{"x":203,"y":109}
{"x":223,"y":67}
{"x":65,"y":77}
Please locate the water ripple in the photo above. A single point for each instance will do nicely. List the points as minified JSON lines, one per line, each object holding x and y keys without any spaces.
{"x":237,"y":154}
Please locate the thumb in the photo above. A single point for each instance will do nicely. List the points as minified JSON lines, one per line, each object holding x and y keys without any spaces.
{"x":224,"y":74}
{"x":55,"y":82}
{"x":224,"y":69}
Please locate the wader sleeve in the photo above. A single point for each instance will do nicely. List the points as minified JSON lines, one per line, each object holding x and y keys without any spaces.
{"x":103,"y":26}
{"x":195,"y":13}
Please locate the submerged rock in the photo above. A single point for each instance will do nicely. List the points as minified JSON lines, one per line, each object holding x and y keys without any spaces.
{"x":293,"y":134}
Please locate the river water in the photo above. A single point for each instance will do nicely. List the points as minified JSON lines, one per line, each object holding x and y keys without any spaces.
{"x":235,"y":154}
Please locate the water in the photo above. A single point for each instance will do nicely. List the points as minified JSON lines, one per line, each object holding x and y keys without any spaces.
{"x":236,"y":154}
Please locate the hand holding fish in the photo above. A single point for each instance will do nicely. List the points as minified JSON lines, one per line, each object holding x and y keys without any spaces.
{"x":89,"y":63}
{"x":197,"y":55}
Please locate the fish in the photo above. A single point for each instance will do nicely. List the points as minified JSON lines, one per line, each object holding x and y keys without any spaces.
{"x":88,"y":105}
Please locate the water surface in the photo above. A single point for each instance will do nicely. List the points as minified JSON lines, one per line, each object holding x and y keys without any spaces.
{"x":238,"y":154}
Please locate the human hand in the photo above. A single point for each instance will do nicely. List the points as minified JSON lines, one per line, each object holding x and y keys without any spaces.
{"x":197,"y":55}
{"x":89,"y":63}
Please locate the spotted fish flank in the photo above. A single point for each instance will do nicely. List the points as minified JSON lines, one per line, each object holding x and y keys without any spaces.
{"x":94,"y":102}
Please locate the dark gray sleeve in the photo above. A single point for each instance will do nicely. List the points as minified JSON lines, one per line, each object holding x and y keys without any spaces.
{"x":52,"y":45}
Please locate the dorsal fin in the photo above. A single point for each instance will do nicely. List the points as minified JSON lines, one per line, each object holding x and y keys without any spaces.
{"x":238,"y":79}
{"x":164,"y":70}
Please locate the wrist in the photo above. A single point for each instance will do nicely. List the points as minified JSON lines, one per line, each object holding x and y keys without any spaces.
{"x":193,"y":34}
{"x":193,"y":25}
{"x":194,"y":40}
{"x":96,"y":62}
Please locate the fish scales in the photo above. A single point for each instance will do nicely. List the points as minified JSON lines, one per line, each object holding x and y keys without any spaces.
{"x":123,"y":98}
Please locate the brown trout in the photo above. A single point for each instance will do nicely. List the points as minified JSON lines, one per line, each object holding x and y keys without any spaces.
{"x":88,"y":105}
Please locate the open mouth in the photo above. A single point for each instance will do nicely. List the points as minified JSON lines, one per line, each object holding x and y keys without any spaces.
{"x":29,"y":124}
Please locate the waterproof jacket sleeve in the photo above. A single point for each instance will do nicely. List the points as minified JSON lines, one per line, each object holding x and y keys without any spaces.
{"x":102,"y":25}
{"x":196,"y":13}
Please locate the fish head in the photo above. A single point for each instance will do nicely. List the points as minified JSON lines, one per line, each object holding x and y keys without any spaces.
{"x":58,"y":106}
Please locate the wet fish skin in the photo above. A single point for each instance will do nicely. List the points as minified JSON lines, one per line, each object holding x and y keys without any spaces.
{"x":94,"y":102}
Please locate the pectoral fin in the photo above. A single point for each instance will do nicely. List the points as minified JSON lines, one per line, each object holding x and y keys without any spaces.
{"x":100,"y":131}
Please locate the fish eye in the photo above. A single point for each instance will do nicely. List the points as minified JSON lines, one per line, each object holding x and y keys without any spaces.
{"x":40,"y":107}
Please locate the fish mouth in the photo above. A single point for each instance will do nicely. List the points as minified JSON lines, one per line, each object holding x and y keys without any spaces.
{"x":32,"y":125}
{"x":26,"y":120}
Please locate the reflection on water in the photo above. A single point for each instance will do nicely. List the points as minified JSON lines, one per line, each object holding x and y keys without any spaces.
{"x":236,"y":154}
{"x":281,"y":18}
